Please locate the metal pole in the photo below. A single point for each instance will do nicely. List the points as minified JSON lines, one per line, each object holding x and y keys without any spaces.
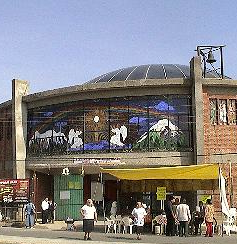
{"x":198,"y":50}
{"x":117,"y":196}
{"x":103,"y":199}
{"x":231,"y":184}
{"x":220,"y":201}
{"x":205,"y":66}
{"x":222,"y":65}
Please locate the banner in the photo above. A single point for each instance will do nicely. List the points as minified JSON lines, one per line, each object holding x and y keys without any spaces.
{"x":14,"y":191}
{"x":224,"y":203}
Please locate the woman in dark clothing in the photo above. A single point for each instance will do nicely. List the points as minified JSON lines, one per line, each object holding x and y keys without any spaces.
{"x":170,"y":215}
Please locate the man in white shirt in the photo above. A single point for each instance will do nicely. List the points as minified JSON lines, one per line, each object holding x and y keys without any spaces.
{"x":184,"y":216}
{"x":45,"y":209}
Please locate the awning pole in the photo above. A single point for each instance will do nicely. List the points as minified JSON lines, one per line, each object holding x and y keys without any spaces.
{"x":103,"y":199}
{"x":219,"y":170}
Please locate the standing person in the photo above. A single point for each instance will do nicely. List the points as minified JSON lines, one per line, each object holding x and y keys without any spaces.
{"x":170,"y":215}
{"x":29,"y":214}
{"x":113,"y":209}
{"x":148,"y":218}
{"x":202,"y":214}
{"x":45,"y":210}
{"x":176,"y":221}
{"x":89,"y":214}
{"x":139,"y":214}
{"x":199,"y":217}
{"x":209,"y":217}
{"x":51,"y":211}
{"x":184,"y":216}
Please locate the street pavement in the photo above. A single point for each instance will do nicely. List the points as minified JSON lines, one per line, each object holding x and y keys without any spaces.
{"x":57,"y":234}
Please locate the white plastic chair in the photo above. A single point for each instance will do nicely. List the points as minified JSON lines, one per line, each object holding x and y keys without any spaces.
{"x":118,"y":222}
{"x":127,"y":224}
{"x":155,"y":220}
{"x":159,"y":221}
{"x":112,"y":217}
{"x":229,"y":223}
{"x":110,"y":225}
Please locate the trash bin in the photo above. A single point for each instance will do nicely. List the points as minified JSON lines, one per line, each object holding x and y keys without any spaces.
{"x":157,"y":230}
{"x":70,"y":223}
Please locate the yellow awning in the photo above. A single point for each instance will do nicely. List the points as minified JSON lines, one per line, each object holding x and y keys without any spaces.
{"x":192,"y":172}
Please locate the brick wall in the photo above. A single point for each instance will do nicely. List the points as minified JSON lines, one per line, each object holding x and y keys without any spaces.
{"x":220,"y":139}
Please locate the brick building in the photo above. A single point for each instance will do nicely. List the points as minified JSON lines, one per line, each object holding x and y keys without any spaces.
{"x":141,"y":116}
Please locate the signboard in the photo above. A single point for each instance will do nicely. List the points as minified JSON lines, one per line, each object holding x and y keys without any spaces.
{"x":96,"y":191}
{"x":98,"y":161}
{"x":64,"y":195}
{"x":74,"y":185}
{"x":161,"y":193}
{"x":204,"y":198}
{"x":14,"y":191}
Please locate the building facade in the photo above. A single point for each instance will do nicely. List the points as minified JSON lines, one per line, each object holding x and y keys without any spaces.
{"x":142,"y":116}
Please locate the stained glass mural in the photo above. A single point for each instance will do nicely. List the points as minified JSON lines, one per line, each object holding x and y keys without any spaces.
{"x":103,"y":125}
{"x":119,"y":125}
{"x":163,"y":132}
{"x":75,"y":127}
{"x":96,"y":125}
{"x":138,"y":122}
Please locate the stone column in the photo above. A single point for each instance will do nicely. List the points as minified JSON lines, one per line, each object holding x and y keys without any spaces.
{"x":197,"y":106}
{"x":19,"y":127}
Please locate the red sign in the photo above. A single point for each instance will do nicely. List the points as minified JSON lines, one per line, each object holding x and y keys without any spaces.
{"x":14,"y":191}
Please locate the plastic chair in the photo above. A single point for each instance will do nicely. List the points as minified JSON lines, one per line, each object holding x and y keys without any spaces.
{"x":127,"y":224}
{"x":160,"y":221}
{"x":112,"y":217}
{"x":118,"y":222}
{"x":228,"y":225}
{"x":110,"y":225}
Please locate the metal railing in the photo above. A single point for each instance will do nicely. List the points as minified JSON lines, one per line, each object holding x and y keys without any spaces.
{"x":12,"y":214}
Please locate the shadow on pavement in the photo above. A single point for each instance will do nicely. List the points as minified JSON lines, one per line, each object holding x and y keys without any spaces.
{"x":121,"y":238}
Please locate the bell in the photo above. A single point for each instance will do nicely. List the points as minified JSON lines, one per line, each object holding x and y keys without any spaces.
{"x":210,"y":58}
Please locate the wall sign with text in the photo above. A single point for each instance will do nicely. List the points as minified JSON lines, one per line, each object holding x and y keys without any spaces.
{"x":14,"y":191}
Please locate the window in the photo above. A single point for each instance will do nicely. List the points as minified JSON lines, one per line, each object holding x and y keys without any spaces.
{"x":213,"y":111}
{"x":96,"y":117}
{"x":222,"y":107}
{"x":119,"y":125}
{"x":232,"y":112}
{"x":223,"y":111}
{"x":109,"y":125}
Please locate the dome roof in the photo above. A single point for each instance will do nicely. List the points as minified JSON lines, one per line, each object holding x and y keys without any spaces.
{"x":149,"y":71}
{"x":152,"y":71}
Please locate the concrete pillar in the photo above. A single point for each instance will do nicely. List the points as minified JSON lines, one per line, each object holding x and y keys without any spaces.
{"x":19,"y":127}
{"x":197,"y":105}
